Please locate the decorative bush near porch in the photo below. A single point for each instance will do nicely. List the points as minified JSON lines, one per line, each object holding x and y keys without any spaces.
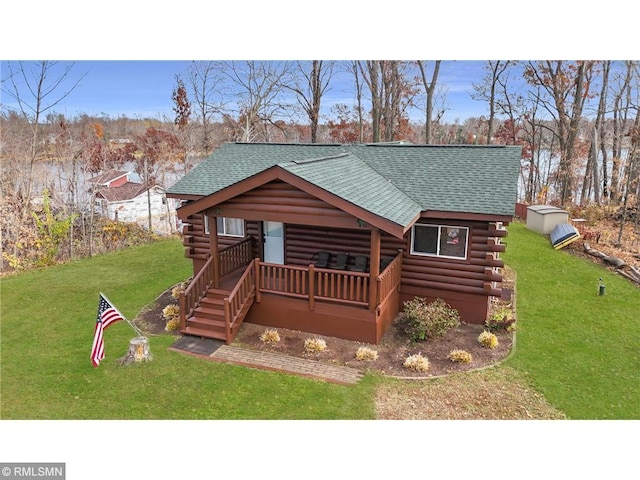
{"x":366,"y":354}
{"x":315,"y":345}
{"x":270,"y":335}
{"x":417,"y":363}
{"x":488,"y":339}
{"x":424,"y":319}
{"x":460,"y":356}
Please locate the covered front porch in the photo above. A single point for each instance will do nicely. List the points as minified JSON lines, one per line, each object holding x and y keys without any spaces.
{"x":287,"y":220}
{"x":234,"y":285}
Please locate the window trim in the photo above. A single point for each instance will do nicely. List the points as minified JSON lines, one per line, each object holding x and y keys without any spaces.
{"x":207,"y":231}
{"x":438,"y":255}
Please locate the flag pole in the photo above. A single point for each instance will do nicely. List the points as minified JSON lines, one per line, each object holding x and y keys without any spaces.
{"x":138,"y":332}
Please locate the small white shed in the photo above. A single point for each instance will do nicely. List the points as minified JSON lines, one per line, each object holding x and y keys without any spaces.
{"x":544,"y":218}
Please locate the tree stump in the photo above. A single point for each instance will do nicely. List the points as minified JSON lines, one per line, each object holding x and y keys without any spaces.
{"x":138,"y":351}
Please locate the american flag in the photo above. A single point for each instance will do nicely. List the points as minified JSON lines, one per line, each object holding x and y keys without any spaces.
{"x":107,"y":314}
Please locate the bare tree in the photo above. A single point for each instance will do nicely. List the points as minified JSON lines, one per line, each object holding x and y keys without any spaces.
{"x":358,"y":86}
{"x":632,"y":170}
{"x":36,"y":90}
{"x":392,"y":92}
{"x":430,"y":89}
{"x":310,"y":82}
{"x":258,"y":88}
{"x":158,"y":149}
{"x":621,"y":106}
{"x":591,"y":178}
{"x":206,"y":84}
{"x":487,"y":89}
{"x":566,"y":85}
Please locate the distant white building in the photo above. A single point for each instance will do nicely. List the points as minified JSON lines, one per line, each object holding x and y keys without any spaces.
{"x":121,"y":200}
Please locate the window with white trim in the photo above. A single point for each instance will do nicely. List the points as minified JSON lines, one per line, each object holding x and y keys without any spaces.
{"x":446,"y":241}
{"x":231,"y":227}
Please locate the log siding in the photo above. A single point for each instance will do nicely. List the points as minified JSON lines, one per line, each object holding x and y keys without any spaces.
{"x":477,"y":274}
{"x":280,"y":202}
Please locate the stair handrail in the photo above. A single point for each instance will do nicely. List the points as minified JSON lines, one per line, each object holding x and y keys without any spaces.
{"x":236,"y":255}
{"x":241,"y":294}
{"x":195,"y":291}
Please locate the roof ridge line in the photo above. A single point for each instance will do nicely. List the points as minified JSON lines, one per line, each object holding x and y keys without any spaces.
{"x":319,"y":159}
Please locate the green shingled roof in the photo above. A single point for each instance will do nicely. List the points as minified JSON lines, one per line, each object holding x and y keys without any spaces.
{"x":233,"y":162}
{"x":394,"y":181}
{"x":351,"y":179}
{"x":451,"y":178}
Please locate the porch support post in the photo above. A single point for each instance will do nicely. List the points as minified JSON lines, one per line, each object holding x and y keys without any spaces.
{"x":256,"y":268}
{"x":213,"y":249}
{"x":312,"y":287}
{"x":374,"y":269}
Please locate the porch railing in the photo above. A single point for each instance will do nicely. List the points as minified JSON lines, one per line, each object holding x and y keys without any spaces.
{"x":310,"y":283}
{"x":197,"y":288}
{"x":236,"y":256}
{"x":238,"y":301}
{"x":315,"y":283}
{"x":286,"y":280}
{"x":389,"y":279}
{"x":341,"y":286}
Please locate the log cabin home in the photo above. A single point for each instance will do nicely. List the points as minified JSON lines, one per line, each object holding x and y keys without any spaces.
{"x":332,"y":239}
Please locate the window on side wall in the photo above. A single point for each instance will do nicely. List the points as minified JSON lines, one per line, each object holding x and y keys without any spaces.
{"x":446,"y":241}
{"x":232,"y":227}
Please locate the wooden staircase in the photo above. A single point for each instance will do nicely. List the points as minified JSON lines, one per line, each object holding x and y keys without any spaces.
{"x":207,"y":319}
{"x":217,"y":312}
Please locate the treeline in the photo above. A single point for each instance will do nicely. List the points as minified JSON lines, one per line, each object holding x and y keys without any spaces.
{"x":577,"y":123}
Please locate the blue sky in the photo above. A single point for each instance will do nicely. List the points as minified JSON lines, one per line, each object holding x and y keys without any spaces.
{"x":139,"y":89}
{"x":125,"y":47}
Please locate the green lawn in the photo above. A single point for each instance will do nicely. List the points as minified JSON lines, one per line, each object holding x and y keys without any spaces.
{"x":48,"y":317}
{"x":580,"y":349}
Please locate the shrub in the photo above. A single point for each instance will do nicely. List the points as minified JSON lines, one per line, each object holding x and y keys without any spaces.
{"x":270,"y":335}
{"x":460,"y":356}
{"x":314,"y":345}
{"x":178,"y":289}
{"x":425,"y":320}
{"x":366,"y":354}
{"x":172,"y":325}
{"x":171,"y":311}
{"x":488,"y":339}
{"x":501,"y":321}
{"x":417,"y":363}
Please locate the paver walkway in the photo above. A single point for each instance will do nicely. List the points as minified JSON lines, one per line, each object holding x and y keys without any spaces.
{"x":286,"y":363}
{"x":278,"y":362}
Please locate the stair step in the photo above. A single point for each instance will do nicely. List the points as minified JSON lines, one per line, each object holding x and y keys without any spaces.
{"x":218,"y":292}
{"x":206,"y":323}
{"x":212,"y":313}
{"x":213,"y":302}
{"x":199,"y":332}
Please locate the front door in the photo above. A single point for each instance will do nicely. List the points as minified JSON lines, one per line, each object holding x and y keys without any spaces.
{"x":273,"y":242}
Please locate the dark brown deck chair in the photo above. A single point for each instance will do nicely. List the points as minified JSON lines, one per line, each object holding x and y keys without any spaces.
{"x":323,"y":259}
{"x":361,"y":263}
{"x":341,"y":261}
